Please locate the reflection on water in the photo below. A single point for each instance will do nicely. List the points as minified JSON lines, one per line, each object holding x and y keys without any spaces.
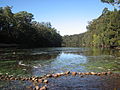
{"x":52,"y":60}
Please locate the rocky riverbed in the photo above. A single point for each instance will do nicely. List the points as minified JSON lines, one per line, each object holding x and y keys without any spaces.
{"x":63,"y":81}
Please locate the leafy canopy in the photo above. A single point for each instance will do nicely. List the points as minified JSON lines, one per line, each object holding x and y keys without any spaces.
{"x":113,"y":2}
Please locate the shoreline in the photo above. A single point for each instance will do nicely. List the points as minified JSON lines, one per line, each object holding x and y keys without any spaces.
{"x":3,"y":45}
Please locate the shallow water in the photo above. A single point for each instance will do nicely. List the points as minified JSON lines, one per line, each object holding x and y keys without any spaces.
{"x":40,"y":61}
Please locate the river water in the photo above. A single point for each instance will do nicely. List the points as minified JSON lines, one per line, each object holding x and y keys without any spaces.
{"x":40,"y":61}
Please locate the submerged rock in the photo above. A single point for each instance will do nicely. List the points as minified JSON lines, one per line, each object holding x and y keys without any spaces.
{"x":68,"y":72}
{"x":93,"y":73}
{"x":43,"y":88}
{"x":98,"y":74}
{"x":40,"y":80}
{"x":45,"y":81}
{"x":87,"y":73}
{"x":48,"y":75}
{"x":36,"y":87}
{"x":109,"y":73}
{"x":104,"y":73}
{"x":74,"y":73}
{"x":55,"y":75}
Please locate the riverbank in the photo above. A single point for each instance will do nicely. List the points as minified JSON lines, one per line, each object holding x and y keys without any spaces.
{"x":3,"y":45}
{"x":63,"y":81}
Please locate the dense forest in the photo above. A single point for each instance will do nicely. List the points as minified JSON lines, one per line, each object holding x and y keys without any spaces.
{"x":19,"y":28}
{"x":101,"y":32}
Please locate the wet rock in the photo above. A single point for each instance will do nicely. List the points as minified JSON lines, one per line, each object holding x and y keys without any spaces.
{"x":68,"y":72}
{"x":27,"y":79}
{"x":79,"y":73}
{"x":36,"y":87}
{"x":33,"y":78}
{"x":23,"y":79}
{"x":12,"y":78}
{"x":87,"y":73}
{"x":40,"y":80}
{"x":83,"y":73}
{"x":74,"y":73}
{"x":29,"y":88}
{"x":93,"y":73}
{"x":44,"y":77}
{"x":43,"y":88}
{"x":98,"y":74}
{"x":58,"y":74}
{"x":16,"y":79}
{"x":104,"y":73}
{"x":109,"y":73}
{"x":62,"y":74}
{"x":45,"y":81}
{"x":55,"y":75}
{"x":48,"y":75}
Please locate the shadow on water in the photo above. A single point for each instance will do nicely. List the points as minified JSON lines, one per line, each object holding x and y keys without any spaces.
{"x":22,"y":61}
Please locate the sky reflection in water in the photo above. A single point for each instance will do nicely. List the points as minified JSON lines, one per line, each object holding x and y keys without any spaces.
{"x":53,"y":60}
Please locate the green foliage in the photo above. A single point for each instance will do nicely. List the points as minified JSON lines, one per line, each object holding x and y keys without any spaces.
{"x":20,"y":29}
{"x":113,"y":2}
{"x":102,"y":32}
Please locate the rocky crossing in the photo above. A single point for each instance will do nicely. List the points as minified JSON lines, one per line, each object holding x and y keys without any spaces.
{"x":42,"y":82}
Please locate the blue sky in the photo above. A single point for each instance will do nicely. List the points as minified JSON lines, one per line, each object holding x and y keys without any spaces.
{"x":67,"y":16}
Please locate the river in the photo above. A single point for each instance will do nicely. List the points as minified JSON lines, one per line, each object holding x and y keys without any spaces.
{"x":41,"y":61}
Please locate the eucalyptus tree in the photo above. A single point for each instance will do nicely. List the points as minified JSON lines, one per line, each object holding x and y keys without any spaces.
{"x":7,"y":21}
{"x":23,"y":26}
{"x":21,"y":29}
{"x":103,"y":31}
{"x":112,"y":2}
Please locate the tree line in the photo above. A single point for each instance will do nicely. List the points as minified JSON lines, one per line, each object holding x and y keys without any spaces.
{"x":101,"y":32}
{"x":19,"y":28}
